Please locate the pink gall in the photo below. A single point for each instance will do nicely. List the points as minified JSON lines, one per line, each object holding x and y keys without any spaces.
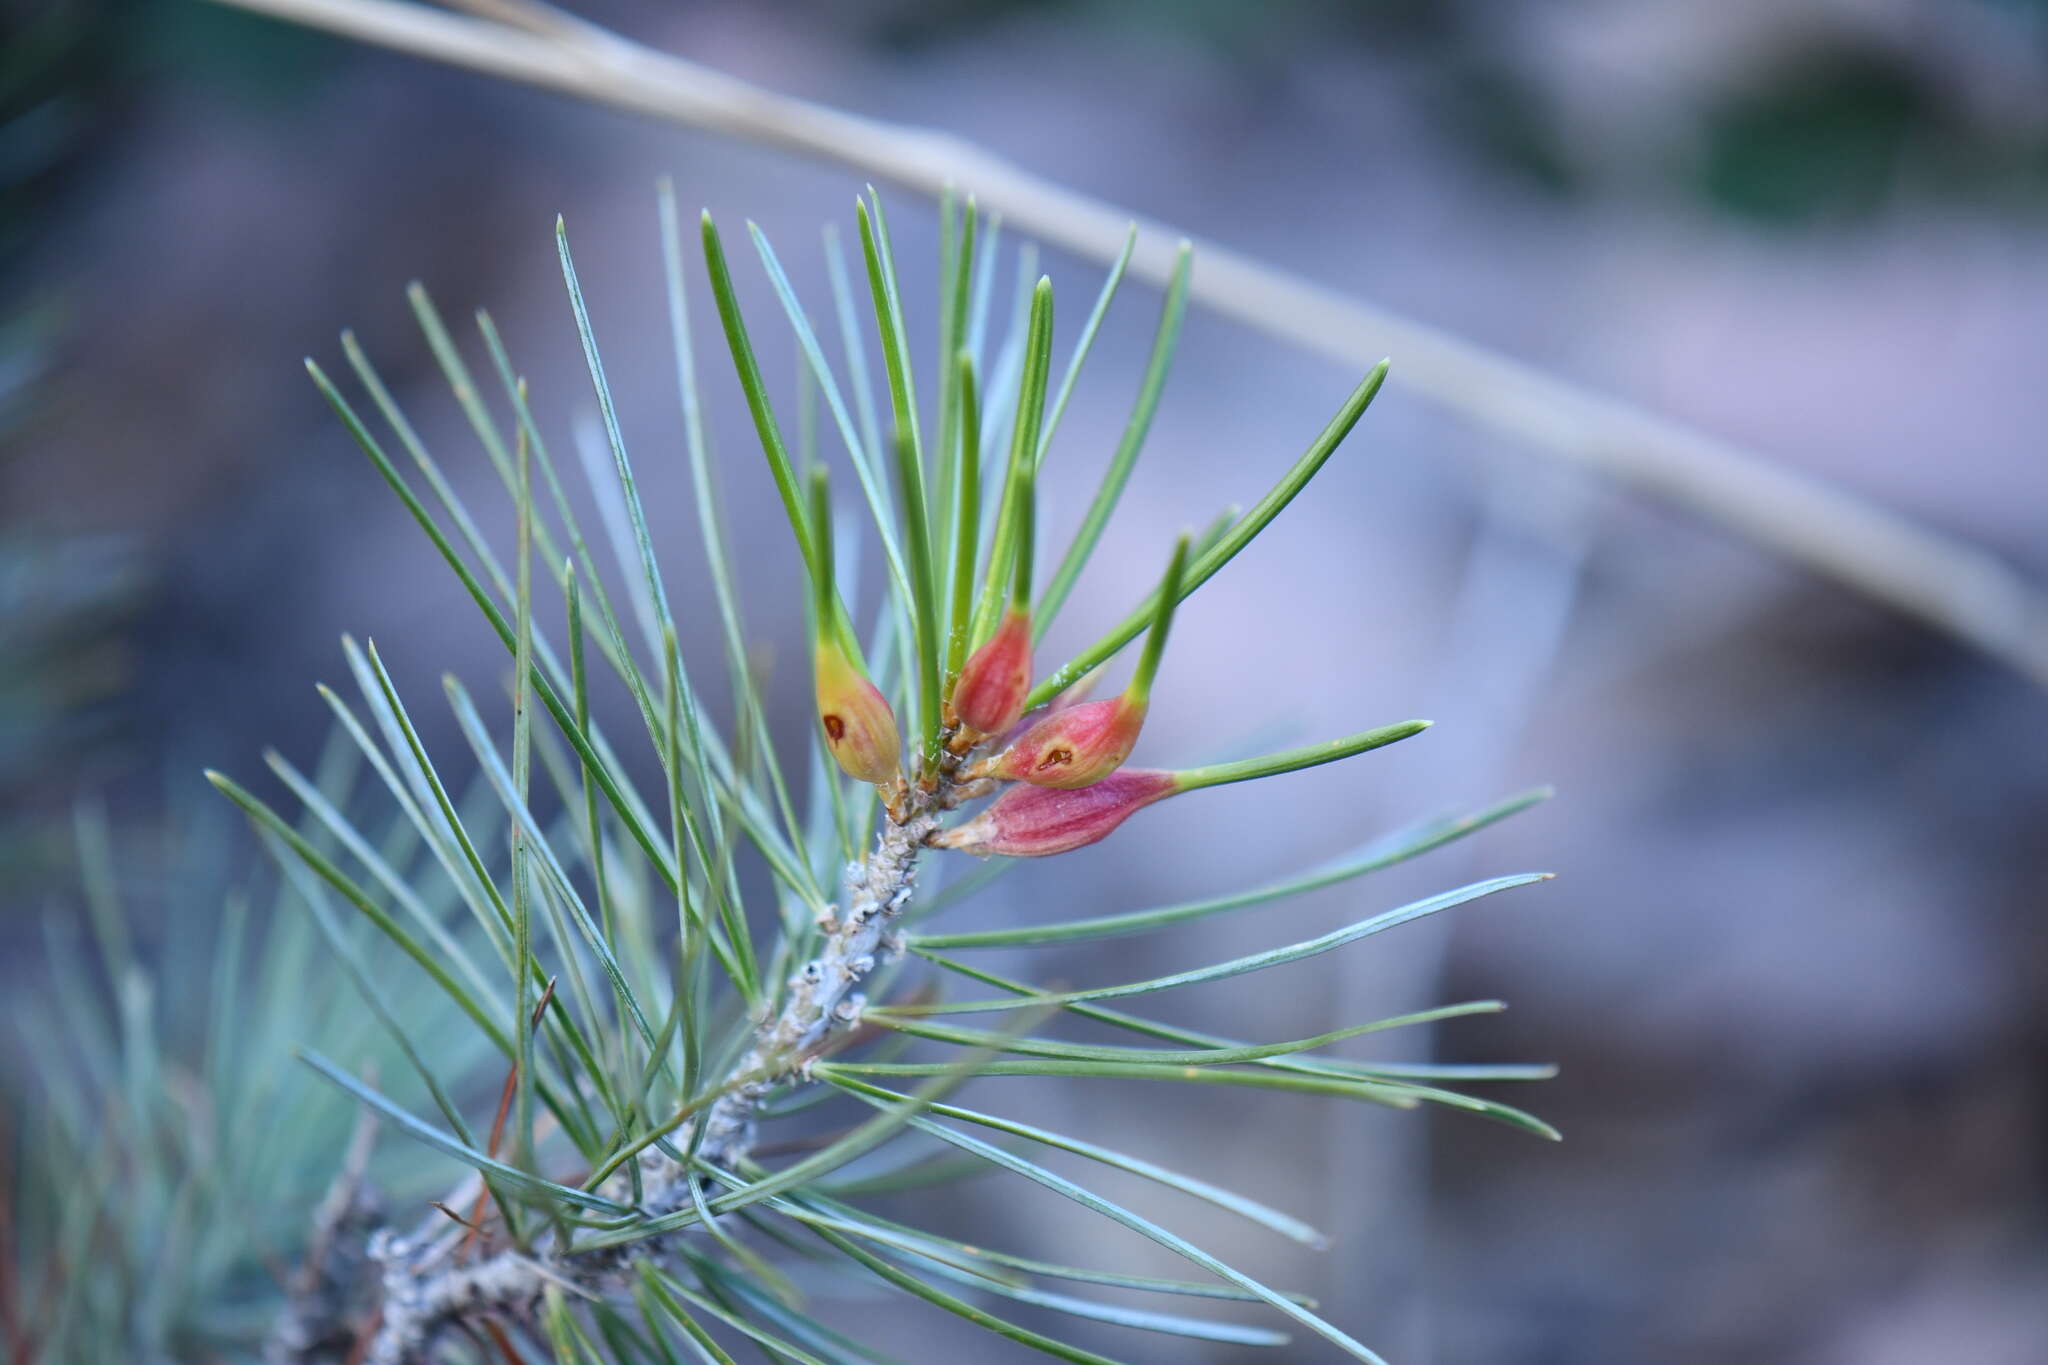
{"x":1071,"y":748}
{"x":997,"y":677}
{"x":859,"y":726}
{"x":1037,"y":822}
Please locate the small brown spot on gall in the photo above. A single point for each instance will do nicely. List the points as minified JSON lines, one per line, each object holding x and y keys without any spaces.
{"x":835,"y":728}
{"x":1055,"y":758}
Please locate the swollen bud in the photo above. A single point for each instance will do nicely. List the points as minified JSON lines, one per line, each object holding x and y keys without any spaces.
{"x":1076,"y":747}
{"x":1036,"y":822}
{"x":859,"y":727}
{"x":997,"y":677}
{"x":1083,"y":744}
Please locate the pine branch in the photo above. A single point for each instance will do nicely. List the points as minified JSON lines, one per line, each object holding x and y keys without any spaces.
{"x":622,"y":1167}
{"x":422,"y":1300}
{"x":325,"y":1291}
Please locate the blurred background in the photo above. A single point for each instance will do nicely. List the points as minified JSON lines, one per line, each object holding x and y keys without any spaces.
{"x":1793,"y":967}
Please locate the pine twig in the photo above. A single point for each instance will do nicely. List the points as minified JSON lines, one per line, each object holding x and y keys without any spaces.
{"x":1947,"y":583}
{"x":422,"y":1298}
{"x":314,"y":1322}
